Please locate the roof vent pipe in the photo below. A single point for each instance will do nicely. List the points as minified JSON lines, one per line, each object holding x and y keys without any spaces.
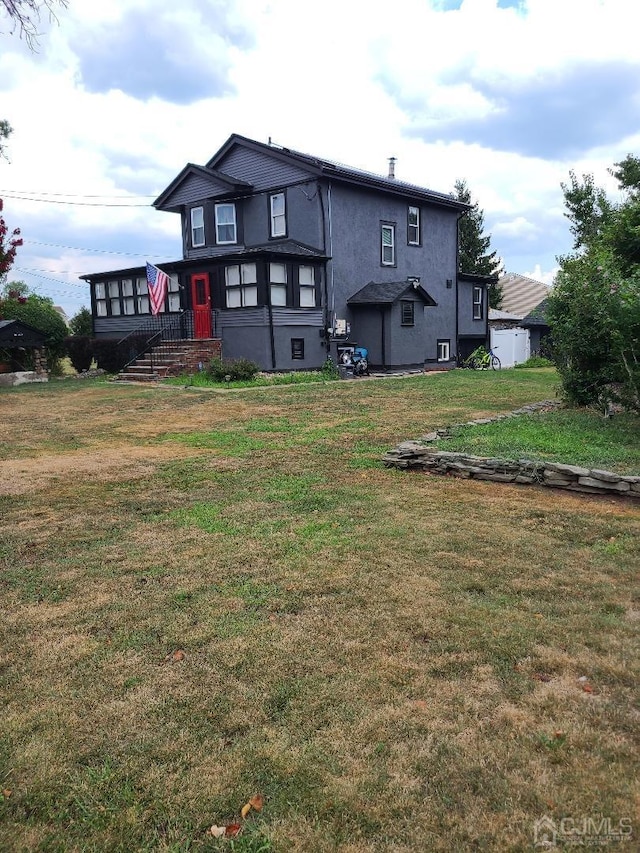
{"x":392,"y":167}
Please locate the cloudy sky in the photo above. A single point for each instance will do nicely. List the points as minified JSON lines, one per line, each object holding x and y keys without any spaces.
{"x":506,"y":94}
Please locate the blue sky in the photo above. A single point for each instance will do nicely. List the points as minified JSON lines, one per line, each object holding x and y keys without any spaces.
{"x":506,"y":94}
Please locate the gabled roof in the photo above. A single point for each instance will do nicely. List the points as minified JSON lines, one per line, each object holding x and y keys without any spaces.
{"x":521,"y":294}
{"x":337,"y":171}
{"x":537,"y":317}
{"x":15,"y":333}
{"x":386,"y":293}
{"x":219,"y":181}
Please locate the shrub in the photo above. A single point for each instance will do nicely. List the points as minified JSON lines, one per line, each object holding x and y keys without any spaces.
{"x":80,"y":351}
{"x":112,"y":355}
{"x":238,"y":370}
{"x":535,"y":361}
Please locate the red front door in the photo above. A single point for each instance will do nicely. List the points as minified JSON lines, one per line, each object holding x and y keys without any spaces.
{"x":201,"y":302}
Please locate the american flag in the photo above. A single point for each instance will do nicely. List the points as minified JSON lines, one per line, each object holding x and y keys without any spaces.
{"x":157,"y":282}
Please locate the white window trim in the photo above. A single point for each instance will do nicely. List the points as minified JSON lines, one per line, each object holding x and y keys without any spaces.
{"x":444,"y":350}
{"x":415,"y":242}
{"x":478,"y":304}
{"x":218,"y":224}
{"x":247,"y":284}
{"x":194,"y":227}
{"x":392,"y":230}
{"x":278,"y":228}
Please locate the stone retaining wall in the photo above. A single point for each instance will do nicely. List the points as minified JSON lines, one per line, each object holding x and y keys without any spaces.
{"x":418,"y":454}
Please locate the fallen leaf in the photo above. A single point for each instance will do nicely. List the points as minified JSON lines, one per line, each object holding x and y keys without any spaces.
{"x":6,"y":793}
{"x":257,"y":802}
{"x":542,"y":676}
{"x":587,"y":687}
{"x":174,"y":657}
{"x":232,"y":830}
{"x":245,"y":810}
{"x":558,"y":734}
{"x":217,"y":831}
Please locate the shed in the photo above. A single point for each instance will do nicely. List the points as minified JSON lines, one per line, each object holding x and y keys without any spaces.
{"x":21,"y":348}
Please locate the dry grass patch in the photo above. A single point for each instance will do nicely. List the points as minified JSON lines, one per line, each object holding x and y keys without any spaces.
{"x":387,"y":657}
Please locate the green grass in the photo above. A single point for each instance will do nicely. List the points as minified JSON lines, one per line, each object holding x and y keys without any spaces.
{"x":387,"y":657}
{"x":203,"y":380}
{"x":572,"y":436}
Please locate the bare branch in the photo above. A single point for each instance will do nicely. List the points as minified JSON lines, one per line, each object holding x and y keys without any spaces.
{"x":25,"y":17}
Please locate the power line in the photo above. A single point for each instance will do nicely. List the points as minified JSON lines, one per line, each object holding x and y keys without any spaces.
{"x":73,"y":195}
{"x":76,"y":203}
{"x":100,"y":251}
{"x":48,"y":278}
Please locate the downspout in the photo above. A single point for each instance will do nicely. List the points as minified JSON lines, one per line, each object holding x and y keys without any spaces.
{"x":271,"y":334}
{"x":457,"y":288}
{"x":325,"y":289}
{"x":333,"y":293}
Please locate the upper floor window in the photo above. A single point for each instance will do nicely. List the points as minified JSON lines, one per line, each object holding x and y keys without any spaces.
{"x":278,"y":284}
{"x":241,"y":281}
{"x":226,"y":231}
{"x":278,"y":215}
{"x":307,"y":281}
{"x":477,"y":303}
{"x":388,"y":238}
{"x":197,"y":226}
{"x":413,"y":226}
{"x":407,"y":312}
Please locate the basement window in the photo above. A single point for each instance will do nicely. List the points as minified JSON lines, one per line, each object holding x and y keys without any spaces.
{"x":297,"y":348}
{"x":444,"y":350}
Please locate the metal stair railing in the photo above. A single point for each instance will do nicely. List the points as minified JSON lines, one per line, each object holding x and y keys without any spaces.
{"x":156,"y":336}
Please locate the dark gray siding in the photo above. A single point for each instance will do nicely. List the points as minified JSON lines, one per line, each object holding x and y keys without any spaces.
{"x":355,"y":224}
{"x":246,"y":333}
{"x":195,"y":188}
{"x":314,"y":352}
{"x":259,"y":169}
{"x":466,"y":324}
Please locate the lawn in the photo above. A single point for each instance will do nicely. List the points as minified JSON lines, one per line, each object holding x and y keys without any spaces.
{"x":213,"y":595}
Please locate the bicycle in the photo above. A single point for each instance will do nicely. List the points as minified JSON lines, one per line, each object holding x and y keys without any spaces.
{"x":482,"y":359}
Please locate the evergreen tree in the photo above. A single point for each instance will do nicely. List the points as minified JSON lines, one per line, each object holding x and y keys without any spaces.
{"x":82,"y":323}
{"x":474,"y":255}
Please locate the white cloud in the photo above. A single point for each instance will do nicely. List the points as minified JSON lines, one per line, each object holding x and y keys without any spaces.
{"x":354,"y":81}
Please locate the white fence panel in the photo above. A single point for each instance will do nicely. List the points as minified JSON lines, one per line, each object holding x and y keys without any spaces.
{"x":510,"y":345}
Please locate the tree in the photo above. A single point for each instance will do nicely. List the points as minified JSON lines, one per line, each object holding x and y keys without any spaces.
{"x":594,"y":308}
{"x":82,"y":323}
{"x":5,"y":132}
{"x":9,"y":244}
{"x":473,"y":246}
{"x":17,"y":303}
{"x":26,"y":15}
{"x":589,"y":209}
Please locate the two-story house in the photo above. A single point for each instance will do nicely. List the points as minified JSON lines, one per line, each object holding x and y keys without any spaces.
{"x":287,"y":256}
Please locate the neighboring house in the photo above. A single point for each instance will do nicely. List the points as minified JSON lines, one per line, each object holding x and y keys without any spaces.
{"x":539,"y":331}
{"x":521,"y":294}
{"x":287,"y":256}
{"x":514,"y":333}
